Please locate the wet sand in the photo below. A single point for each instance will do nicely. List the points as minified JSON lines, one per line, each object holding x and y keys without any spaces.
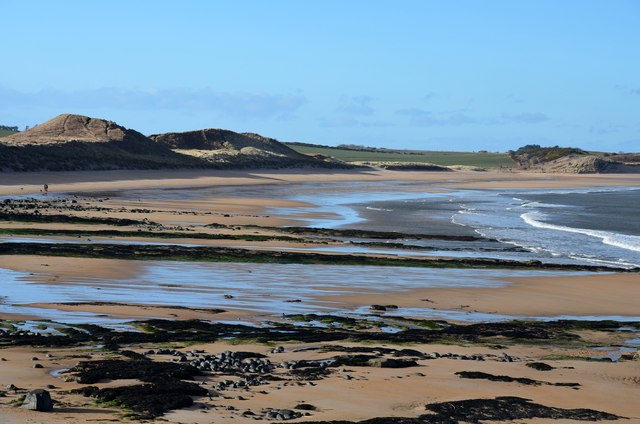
{"x":319,"y":289}
{"x":30,"y":183}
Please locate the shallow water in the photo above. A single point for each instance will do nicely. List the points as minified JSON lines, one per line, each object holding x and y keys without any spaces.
{"x":263,"y":288}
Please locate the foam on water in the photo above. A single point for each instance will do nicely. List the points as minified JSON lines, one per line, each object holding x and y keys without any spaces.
{"x":623,"y":241}
{"x":528,"y":222}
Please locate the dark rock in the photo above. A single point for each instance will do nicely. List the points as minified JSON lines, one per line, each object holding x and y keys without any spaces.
{"x":305,"y":407}
{"x":540,"y":366}
{"x":476,"y":411}
{"x":510,"y":408}
{"x":282,"y":414}
{"x":91,"y":372}
{"x":378,"y":308}
{"x":38,"y":400}
{"x":391,"y":363}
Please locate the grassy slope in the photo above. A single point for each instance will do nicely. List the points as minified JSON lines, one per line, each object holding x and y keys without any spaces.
{"x":4,"y":133}
{"x":485,"y":160}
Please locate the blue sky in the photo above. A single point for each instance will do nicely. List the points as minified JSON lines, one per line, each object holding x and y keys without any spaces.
{"x":440,"y":75}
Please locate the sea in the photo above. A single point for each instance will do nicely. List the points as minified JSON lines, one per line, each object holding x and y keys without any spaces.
{"x":599,"y":226}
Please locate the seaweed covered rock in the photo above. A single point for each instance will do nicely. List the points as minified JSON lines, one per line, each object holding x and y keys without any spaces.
{"x":91,"y":372}
{"x":508,"y":408}
{"x":148,"y":401}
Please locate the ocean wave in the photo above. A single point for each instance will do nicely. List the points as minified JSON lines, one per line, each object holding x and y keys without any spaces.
{"x":371,"y":208}
{"x":543,"y":205}
{"x":596,"y":261}
{"x":583,"y":190}
{"x":622,"y":241}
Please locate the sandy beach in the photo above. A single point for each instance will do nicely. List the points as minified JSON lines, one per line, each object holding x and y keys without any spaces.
{"x":347,"y":393}
{"x":32,"y":182}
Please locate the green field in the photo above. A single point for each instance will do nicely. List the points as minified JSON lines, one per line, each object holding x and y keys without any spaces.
{"x":478,"y":159}
{"x":5,"y":133}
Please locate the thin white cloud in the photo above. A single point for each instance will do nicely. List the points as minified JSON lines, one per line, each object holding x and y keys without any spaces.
{"x":605,"y":129}
{"x":358,"y":105}
{"x":238,"y":104}
{"x":628,"y":89}
{"x":350,"y":121}
{"x":525,"y":117}
{"x":428,"y":96}
{"x":425,"y":118}
{"x":421,"y":117}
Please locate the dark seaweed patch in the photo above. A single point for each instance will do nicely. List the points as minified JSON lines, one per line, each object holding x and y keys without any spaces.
{"x":540,"y":366}
{"x":479,"y":410}
{"x":91,"y":372}
{"x":507,"y":379}
{"x":148,"y":401}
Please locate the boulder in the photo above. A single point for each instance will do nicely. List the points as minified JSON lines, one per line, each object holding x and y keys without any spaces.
{"x":38,"y":400}
{"x":391,"y":363}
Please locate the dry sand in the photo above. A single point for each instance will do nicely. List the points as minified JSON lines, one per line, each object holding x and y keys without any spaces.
{"x":372,"y":392}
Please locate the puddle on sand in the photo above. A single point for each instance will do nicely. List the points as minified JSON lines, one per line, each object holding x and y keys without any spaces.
{"x":471,"y":316}
{"x":633,"y":342}
{"x":57,"y":373}
{"x":614,"y":353}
